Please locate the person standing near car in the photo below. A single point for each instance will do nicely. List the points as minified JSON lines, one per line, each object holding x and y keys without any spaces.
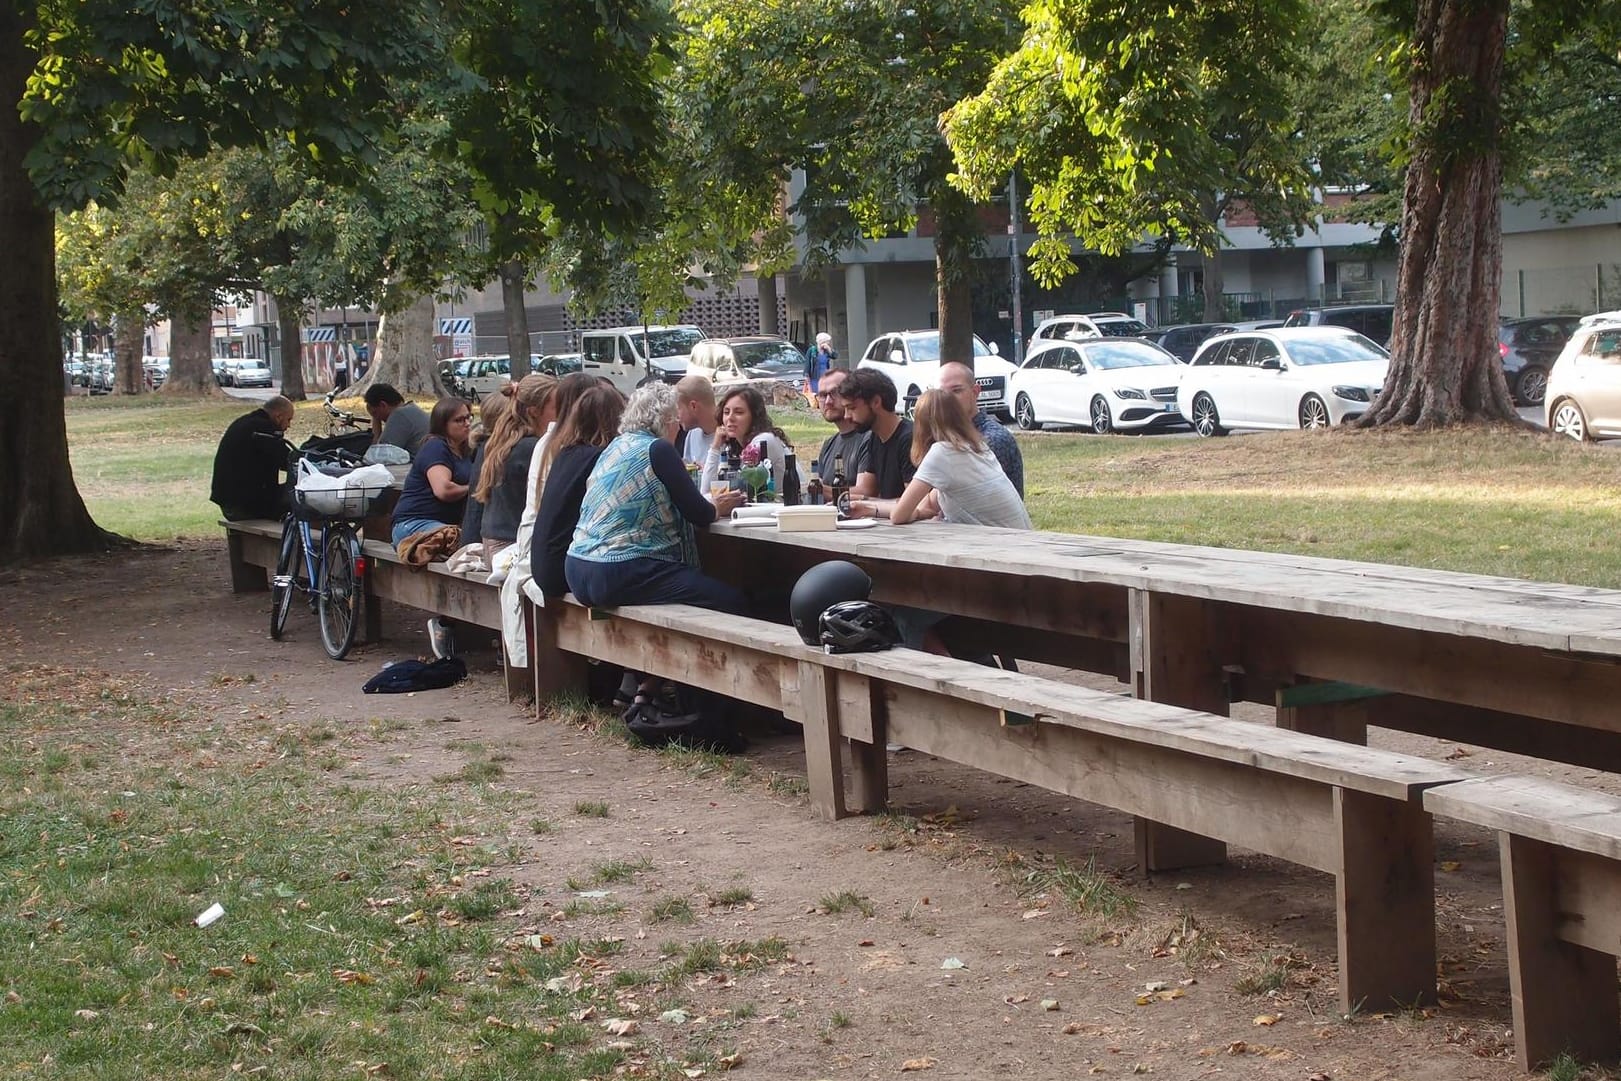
{"x":248,"y":464}
{"x":957,"y":380}
{"x":819,"y":360}
{"x":395,"y":420}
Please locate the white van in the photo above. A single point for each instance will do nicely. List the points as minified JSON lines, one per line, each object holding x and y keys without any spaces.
{"x":630,"y":356}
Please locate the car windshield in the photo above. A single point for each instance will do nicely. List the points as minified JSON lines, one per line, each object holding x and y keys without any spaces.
{"x":926,"y":348}
{"x":669,"y":343}
{"x":1111,"y":355}
{"x":1338,"y":350}
{"x":774,"y":356}
{"x":1121,"y":328}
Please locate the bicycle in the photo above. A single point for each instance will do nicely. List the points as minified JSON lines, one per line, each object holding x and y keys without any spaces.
{"x":331,"y":571}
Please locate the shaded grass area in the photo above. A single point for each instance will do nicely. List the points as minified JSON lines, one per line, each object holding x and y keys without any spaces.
{"x":358,"y":939}
{"x":1491,"y":501}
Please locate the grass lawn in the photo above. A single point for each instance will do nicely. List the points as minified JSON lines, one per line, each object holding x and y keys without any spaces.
{"x":1493,"y":501}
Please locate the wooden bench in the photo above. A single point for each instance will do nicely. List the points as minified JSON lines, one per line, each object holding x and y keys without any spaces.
{"x":1560,"y":850}
{"x":1352,"y":812}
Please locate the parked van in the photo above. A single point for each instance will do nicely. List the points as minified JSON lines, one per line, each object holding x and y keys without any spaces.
{"x":630,"y":356}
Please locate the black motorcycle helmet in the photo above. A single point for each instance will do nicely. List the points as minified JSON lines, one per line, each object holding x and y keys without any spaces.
{"x":824,"y":585}
{"x":858,"y":627}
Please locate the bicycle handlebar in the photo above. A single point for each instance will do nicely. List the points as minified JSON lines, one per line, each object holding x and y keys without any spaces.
{"x":338,"y":414}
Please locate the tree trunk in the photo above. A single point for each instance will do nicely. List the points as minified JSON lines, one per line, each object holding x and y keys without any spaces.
{"x":513,"y":280}
{"x":1444,"y":363}
{"x":45,"y":514}
{"x":191,"y":367}
{"x":129,"y":340}
{"x":956,"y":240}
{"x":1215,"y":283}
{"x":403,"y":355}
{"x":290,"y":326}
{"x":767,"y":286}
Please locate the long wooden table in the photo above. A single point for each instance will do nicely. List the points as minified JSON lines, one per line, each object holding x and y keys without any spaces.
{"x":1528,"y":667}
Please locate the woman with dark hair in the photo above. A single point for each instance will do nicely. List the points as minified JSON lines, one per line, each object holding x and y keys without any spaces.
{"x":504,"y":457}
{"x":441,"y":472}
{"x":570,"y":455}
{"x":741,"y":419}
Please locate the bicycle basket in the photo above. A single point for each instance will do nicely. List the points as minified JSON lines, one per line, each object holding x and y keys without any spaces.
{"x":352,"y":503}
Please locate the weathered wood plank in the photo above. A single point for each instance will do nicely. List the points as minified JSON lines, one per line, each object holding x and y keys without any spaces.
{"x":1564,"y":994}
{"x":816,"y":708}
{"x":865,"y":723}
{"x":1385,"y":902}
{"x":1557,"y":814}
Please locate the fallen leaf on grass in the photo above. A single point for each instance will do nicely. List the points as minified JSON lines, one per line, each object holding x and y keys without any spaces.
{"x":951,"y":963}
{"x":222,"y":972}
{"x":912,"y":1065}
{"x":1450,"y":865}
{"x":349,"y":975}
{"x":1049,"y":1004}
{"x":86,"y":1015}
{"x":731,"y":1061}
{"x":674,"y":1017}
{"x":621,"y":1026}
{"x":1014,"y":1000}
{"x":1268,"y":1019}
{"x":1071,"y":1029}
{"x":1060,"y":951}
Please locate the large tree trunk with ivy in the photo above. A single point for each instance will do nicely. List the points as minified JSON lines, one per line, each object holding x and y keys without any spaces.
{"x":514,"y":277}
{"x":290,"y":328}
{"x":44,"y":512}
{"x":191,"y":366}
{"x":129,"y":342}
{"x":1444,"y":366}
{"x":403,"y":356}
{"x":956,"y":242}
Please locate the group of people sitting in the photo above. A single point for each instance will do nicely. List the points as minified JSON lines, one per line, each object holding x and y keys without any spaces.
{"x":575,"y":489}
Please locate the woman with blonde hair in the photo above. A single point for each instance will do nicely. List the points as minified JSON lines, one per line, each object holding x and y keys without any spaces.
{"x":958,"y":479}
{"x":503,"y":469}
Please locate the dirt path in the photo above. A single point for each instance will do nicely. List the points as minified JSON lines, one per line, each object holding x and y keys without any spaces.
{"x":1041,"y":991}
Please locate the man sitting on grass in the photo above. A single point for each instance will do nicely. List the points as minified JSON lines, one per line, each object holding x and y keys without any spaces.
{"x":249,"y":462}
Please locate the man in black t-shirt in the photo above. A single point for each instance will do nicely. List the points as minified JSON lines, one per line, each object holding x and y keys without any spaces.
{"x":249,"y":462}
{"x":883,"y":466}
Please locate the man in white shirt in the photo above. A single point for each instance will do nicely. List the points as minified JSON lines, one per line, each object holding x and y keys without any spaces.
{"x":695,"y":408}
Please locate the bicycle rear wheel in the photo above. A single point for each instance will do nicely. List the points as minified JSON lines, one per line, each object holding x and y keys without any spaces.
{"x":289,"y":566}
{"x":341,"y":590}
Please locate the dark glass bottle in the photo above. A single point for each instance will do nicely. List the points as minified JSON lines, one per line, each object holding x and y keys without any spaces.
{"x":814,"y":496}
{"x":839,"y":483}
{"x":790,"y":480}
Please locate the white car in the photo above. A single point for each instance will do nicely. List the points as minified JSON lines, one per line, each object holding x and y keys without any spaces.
{"x":629,"y":356}
{"x":758,"y":358}
{"x":248,"y":373}
{"x":911,"y":359}
{"x":1584,"y":385}
{"x":1107,"y":384}
{"x":1096,"y":325}
{"x":1291,"y":377}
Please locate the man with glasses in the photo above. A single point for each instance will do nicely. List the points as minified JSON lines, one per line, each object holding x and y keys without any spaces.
{"x":847,"y":439}
{"x":957,"y":380}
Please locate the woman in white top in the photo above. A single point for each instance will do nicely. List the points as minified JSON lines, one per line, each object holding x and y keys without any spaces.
{"x":741,"y":417}
{"x":958,"y":479}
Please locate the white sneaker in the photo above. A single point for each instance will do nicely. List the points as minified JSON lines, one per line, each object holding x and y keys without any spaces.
{"x":439,"y":639}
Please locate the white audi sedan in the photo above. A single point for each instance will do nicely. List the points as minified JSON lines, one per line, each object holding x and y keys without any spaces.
{"x":1105,"y":384}
{"x":1291,"y":377}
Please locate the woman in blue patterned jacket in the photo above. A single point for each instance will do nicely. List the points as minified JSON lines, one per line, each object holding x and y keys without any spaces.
{"x":634,"y":543}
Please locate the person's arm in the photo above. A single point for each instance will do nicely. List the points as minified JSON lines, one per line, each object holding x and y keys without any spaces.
{"x":918,"y":502}
{"x":865,"y":484}
{"x":711,"y":471}
{"x":670,"y":471}
{"x":445,"y":488}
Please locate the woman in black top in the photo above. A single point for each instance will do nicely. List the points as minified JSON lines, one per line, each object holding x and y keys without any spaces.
{"x":590,"y":424}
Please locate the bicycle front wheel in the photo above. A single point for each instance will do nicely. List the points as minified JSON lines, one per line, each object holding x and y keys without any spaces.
{"x":285,"y":582}
{"x":341,"y":590}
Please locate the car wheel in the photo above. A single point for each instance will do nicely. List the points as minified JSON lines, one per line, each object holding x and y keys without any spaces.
{"x":1102,"y":420}
{"x":1531,"y":388}
{"x":1568,"y":419}
{"x":1206,"y":421}
{"x":1025,"y":413}
{"x":1313,"y":413}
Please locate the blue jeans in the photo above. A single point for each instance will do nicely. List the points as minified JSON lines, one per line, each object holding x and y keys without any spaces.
{"x":410,"y":527}
{"x":649,"y":581}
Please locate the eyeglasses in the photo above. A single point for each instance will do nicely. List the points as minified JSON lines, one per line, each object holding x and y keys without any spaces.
{"x":465,"y":418}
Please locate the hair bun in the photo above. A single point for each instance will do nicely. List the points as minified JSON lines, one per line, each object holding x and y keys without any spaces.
{"x":509,"y":389}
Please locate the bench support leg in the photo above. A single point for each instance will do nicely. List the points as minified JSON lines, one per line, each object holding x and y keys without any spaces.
{"x":869,"y":761}
{"x":372,"y":615}
{"x":1564,"y":994}
{"x":245,"y":576}
{"x":556,"y":671}
{"x":1174,"y":659}
{"x":819,"y":706}
{"x":1384,"y":895}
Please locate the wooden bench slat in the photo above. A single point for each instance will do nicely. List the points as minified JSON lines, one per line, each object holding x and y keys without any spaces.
{"x":1548,"y":811}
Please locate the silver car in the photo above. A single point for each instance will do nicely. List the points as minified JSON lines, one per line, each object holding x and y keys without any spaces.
{"x":1584,"y":388}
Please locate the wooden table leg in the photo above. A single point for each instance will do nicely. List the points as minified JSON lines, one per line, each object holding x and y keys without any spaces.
{"x":1175,"y":659}
{"x":1564,"y":994}
{"x":1384,"y":895}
